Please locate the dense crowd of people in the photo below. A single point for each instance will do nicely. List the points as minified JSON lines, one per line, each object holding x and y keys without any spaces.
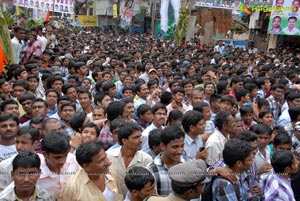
{"x":93,"y":115}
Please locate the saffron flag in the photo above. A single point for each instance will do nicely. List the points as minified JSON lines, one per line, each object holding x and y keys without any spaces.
{"x":47,"y":19}
{"x":3,"y":59}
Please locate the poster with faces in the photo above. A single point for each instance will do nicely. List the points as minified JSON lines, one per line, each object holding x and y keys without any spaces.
{"x":60,"y":6}
{"x":285,"y":17}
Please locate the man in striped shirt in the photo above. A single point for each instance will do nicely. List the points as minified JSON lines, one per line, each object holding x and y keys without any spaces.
{"x":277,"y":186}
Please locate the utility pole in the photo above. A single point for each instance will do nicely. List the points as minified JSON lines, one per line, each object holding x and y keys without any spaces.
{"x":153,"y":16}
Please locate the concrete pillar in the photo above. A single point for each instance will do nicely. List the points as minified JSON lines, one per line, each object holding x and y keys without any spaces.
{"x":272,"y":41}
{"x":191,"y":28}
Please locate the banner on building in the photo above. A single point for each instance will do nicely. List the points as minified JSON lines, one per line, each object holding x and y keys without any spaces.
{"x":238,"y":6}
{"x":126,"y":17}
{"x":60,"y":6}
{"x":115,"y":10}
{"x":285,"y":18}
{"x":85,"y":20}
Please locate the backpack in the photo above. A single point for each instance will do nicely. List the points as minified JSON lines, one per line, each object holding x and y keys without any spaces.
{"x":207,"y":194}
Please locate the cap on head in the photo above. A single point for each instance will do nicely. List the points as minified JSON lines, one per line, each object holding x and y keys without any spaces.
{"x":297,"y":126}
{"x":152,"y":70}
{"x":189,"y":173}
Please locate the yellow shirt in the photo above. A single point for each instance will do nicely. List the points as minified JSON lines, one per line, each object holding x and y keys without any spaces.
{"x":80,"y":188}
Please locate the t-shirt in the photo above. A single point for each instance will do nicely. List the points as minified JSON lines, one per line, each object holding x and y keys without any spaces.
{"x":7,"y":151}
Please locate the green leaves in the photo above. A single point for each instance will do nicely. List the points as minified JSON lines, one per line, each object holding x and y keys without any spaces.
{"x":182,"y":25}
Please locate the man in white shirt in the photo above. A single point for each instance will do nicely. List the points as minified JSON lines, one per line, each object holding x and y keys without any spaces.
{"x":159,"y":112}
{"x":26,"y":140}
{"x":8,"y":131}
{"x":291,"y":29}
{"x":215,"y":144}
{"x":57,"y":164}
{"x":18,"y":43}
{"x":129,"y":154}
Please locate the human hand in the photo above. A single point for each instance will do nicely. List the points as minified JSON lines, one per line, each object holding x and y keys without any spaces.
{"x":201,"y":154}
{"x":226,"y":173}
{"x":265,"y":168}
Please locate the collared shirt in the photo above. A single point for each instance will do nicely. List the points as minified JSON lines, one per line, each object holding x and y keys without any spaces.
{"x":17,"y":46}
{"x":170,"y":197}
{"x":278,"y":31}
{"x":151,"y":153}
{"x":80,"y":187}
{"x":296,"y":144}
{"x":250,"y":176}
{"x":50,"y":112}
{"x":105,"y":136}
{"x":192,"y":146}
{"x":38,"y":195}
{"x":160,"y":173}
{"x":145,"y":136}
{"x":118,"y":166}
{"x":224,"y":190}
{"x":290,"y":32}
{"x":209,"y":127}
{"x":274,"y":107}
{"x":183,"y":108}
{"x":261,"y":94}
{"x":245,"y":127}
{"x":284,"y":118}
{"x":7,"y":151}
{"x":214,"y":146}
{"x":5,"y":172}
{"x":260,"y":159}
{"x":276,"y":187}
{"x":53,"y":182}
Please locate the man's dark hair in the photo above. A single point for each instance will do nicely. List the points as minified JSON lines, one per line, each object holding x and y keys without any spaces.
{"x":221,"y":119}
{"x":171,"y":133}
{"x":154,"y":138}
{"x":8,"y":102}
{"x":114,"y":110}
{"x":158,"y":106}
{"x":26,"y":96}
{"x":83,"y":91}
{"x":5,"y":117}
{"x":229,"y":99}
{"x":260,"y":129}
{"x":247,"y":136}
{"x":236,"y":150}
{"x":241,"y":93}
{"x":92,"y":125}
{"x":261,"y":114}
{"x":199,"y":106}
{"x":245,"y":109}
{"x":281,"y":139}
{"x":137,"y":177}
{"x":33,"y":132}
{"x":294,"y":112}
{"x":86,"y":151}
{"x":52,"y":90}
{"x":41,"y":101}
{"x":55,"y":143}
{"x":65,"y":88}
{"x":178,"y":90}
{"x":142,"y":109}
{"x":191,"y":118}
{"x":99,"y":97}
{"x":21,"y":83}
{"x":77,"y":120}
{"x":126,"y":130}
{"x":174,"y":115}
{"x":26,"y":159}
{"x":281,"y":160}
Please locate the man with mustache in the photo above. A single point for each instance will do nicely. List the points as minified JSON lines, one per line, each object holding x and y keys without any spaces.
{"x":8,"y":131}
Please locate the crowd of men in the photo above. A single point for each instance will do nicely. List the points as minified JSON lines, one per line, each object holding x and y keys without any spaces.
{"x":92,"y":115}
